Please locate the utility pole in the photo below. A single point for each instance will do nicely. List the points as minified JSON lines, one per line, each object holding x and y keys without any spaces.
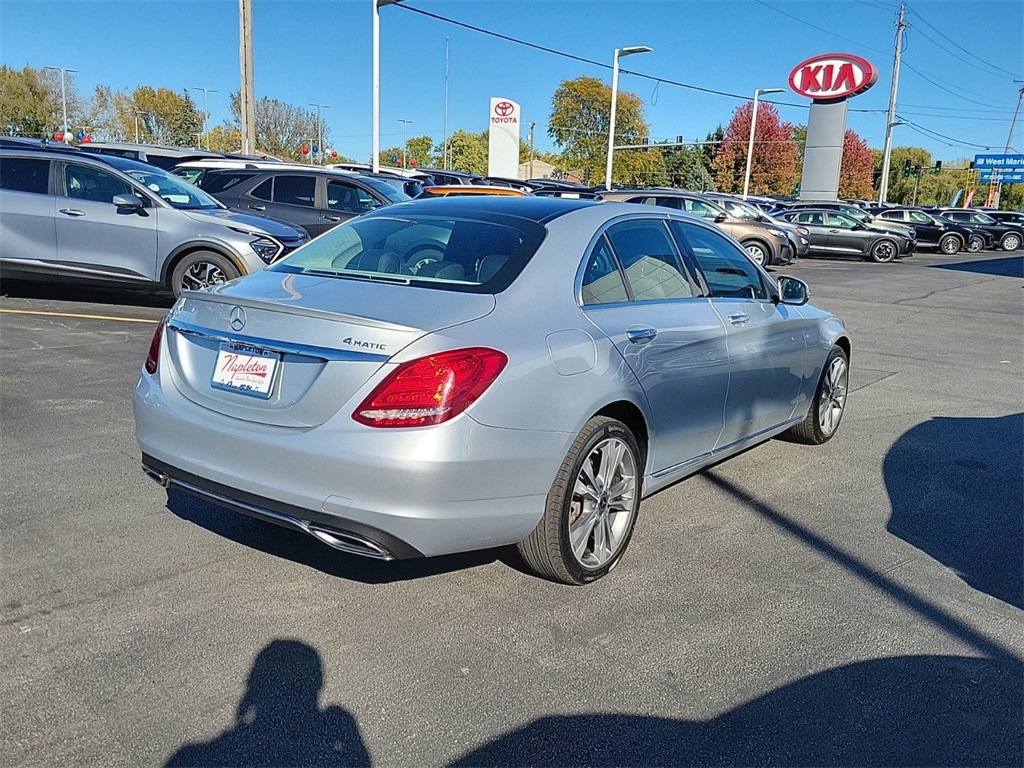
{"x":63,"y":96}
{"x":246,"y":94}
{"x":1009,"y":139}
{"x":883,"y":187}
{"x":444,"y":143}
{"x":532,"y":124}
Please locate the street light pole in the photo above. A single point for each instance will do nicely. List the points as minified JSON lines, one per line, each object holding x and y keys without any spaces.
{"x":750,"y":144}
{"x":375,"y":161}
{"x":206,"y":110}
{"x":611,"y":119}
{"x":405,"y":139}
{"x":63,"y":96}
{"x":137,"y":113}
{"x":320,"y":127}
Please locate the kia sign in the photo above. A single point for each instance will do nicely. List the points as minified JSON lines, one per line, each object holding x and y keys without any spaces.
{"x":503,"y":139}
{"x":832,"y":76}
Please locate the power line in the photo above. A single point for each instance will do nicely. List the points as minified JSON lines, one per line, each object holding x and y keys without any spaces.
{"x":939,"y":45}
{"x":954,"y":42}
{"x":821,"y":29}
{"x":940,"y":86}
{"x":940,"y":136}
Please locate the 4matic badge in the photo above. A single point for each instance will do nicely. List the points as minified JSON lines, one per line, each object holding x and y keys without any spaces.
{"x":363,"y":344}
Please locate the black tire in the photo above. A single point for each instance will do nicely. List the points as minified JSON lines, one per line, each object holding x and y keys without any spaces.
{"x":950,"y":244}
{"x":817,"y":427}
{"x":549,"y":550}
{"x":201,"y":269}
{"x":1010,"y":241}
{"x":976,"y":244}
{"x":884,"y":251}
{"x":759,"y":252}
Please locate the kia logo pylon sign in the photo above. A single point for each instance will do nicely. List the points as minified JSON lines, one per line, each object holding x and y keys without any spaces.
{"x":832,"y":76}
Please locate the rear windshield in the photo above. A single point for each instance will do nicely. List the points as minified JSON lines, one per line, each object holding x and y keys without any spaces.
{"x":473,"y":255}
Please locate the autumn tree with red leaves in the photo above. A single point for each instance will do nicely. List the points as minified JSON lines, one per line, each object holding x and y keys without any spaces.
{"x":856,"y":174}
{"x":774,"y":168}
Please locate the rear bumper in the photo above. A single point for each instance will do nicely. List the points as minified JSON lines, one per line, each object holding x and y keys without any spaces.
{"x":428,"y":491}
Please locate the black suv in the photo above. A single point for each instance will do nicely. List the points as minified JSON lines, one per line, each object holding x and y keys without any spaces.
{"x":1009,"y":236}
{"x":946,"y":236}
{"x":314,"y":199}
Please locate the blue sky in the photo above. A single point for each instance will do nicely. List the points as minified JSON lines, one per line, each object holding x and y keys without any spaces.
{"x":961,"y":58}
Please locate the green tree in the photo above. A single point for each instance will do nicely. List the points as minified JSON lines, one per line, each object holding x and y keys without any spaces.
{"x":468,"y":152}
{"x":775,"y":157}
{"x":30,"y":102}
{"x":580,"y":110}
{"x":282,"y":129}
{"x":687,"y":167}
{"x":901,"y":190}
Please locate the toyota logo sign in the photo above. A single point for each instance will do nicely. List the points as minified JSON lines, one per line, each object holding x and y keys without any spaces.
{"x":504,"y":108}
{"x":832,"y":76}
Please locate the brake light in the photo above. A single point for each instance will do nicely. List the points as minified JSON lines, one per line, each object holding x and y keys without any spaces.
{"x":153,"y":358}
{"x":431,"y":389}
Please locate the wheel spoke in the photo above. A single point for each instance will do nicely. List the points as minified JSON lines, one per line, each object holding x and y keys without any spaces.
{"x":588,"y":476}
{"x":579,"y":533}
{"x":601,"y":550}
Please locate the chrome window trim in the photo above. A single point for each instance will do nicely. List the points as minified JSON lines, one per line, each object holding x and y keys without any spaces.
{"x":275,"y":345}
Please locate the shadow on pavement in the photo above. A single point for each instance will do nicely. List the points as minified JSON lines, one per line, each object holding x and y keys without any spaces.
{"x":957,"y":492}
{"x":279,"y":722}
{"x":908,"y":710}
{"x":1011,"y":266}
{"x":86,"y":294}
{"x":305,"y":550}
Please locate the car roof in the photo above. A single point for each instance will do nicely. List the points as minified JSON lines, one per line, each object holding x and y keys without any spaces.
{"x":162,"y":149}
{"x":537,"y":209}
{"x":441,"y":190}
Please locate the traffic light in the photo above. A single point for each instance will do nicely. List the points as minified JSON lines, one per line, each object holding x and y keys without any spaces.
{"x":938,"y":166}
{"x":917,"y":171}
{"x":906,"y":169}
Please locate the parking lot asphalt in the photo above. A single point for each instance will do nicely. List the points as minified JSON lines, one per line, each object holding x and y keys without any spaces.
{"x":854,"y":603}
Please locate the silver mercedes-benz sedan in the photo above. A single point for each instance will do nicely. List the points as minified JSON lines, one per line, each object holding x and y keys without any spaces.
{"x":454,"y":374}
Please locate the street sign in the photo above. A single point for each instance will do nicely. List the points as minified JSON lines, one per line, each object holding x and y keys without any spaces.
{"x":1007,"y":177}
{"x":1000,"y":162}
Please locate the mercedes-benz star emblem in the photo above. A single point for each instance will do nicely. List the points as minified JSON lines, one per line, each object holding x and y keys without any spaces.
{"x":236,"y":319}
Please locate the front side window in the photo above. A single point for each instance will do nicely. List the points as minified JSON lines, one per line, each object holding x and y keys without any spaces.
{"x":840,"y":220}
{"x":920,"y":218}
{"x":224,"y":180}
{"x":727,"y":270}
{"x":891,"y":215}
{"x":25,"y":174}
{"x":173,"y":190}
{"x":342,"y":197}
{"x":700,"y":208}
{"x":83,"y":182}
{"x":649,"y":260}
{"x":983,"y":218}
{"x":602,"y":280}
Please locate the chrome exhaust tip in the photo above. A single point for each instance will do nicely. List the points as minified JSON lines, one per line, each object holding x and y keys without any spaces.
{"x":160,"y":477}
{"x":350,"y":543}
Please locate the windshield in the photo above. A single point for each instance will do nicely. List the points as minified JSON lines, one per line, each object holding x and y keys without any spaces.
{"x":475,"y":255}
{"x":174,"y":190}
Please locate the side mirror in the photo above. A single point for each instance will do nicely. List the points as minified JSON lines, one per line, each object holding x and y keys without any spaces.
{"x":858,"y":225}
{"x":128,"y":201}
{"x":720,"y":218}
{"x":792,"y":291}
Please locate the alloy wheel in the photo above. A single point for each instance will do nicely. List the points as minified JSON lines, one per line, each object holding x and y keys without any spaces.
{"x":602,"y":504}
{"x":833,"y":395}
{"x":202,"y":274}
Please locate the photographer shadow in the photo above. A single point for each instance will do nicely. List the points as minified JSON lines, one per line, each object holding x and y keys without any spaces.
{"x":279,"y":722}
{"x":957,"y":491}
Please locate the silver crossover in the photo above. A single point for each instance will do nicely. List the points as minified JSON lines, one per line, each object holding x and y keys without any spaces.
{"x":453,"y":374}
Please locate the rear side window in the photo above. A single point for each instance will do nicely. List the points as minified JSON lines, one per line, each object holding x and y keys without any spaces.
{"x":649,"y":259}
{"x":602,"y":280}
{"x":25,"y":174}
{"x":475,"y":255}
{"x":727,"y":270}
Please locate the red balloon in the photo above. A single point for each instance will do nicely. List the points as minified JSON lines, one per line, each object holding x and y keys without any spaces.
{"x":412,"y":163}
{"x":305,"y":150}
{"x":87,"y":138}
{"x":333,"y":153}
{"x":58,"y":136}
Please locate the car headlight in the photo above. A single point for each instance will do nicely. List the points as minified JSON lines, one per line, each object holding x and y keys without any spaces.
{"x":777,"y":232}
{"x":266,"y":249}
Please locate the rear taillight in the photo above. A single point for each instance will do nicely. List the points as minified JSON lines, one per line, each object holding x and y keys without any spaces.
{"x":432,"y":389}
{"x":153,"y":358}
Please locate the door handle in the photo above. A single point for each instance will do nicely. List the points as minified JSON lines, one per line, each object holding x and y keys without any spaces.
{"x":258,"y":207}
{"x":332,"y":218}
{"x":72,"y":212}
{"x":738,"y":318}
{"x":833,"y":231}
{"x":641,"y":335}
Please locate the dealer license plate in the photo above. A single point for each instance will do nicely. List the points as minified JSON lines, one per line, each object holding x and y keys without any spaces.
{"x":245,"y":369}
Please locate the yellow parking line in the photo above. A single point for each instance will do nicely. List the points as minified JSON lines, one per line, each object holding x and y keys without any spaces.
{"x":72,"y":314}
